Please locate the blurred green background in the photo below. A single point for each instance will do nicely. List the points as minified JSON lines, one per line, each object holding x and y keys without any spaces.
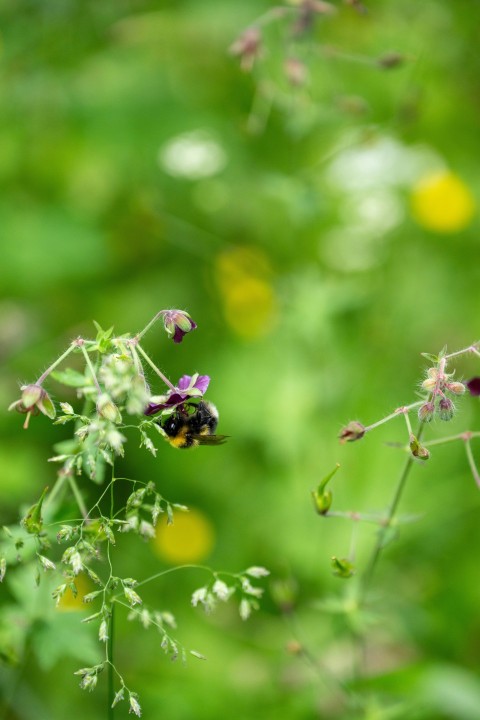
{"x":317,"y":218}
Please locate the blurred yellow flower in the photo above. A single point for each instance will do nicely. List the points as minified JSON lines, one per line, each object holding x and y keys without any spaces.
{"x":68,"y":602}
{"x":189,"y":539}
{"x":442,"y":202}
{"x":249,"y":300}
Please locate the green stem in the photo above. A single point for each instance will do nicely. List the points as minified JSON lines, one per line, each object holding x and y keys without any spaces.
{"x":111,"y":624}
{"x":377,"y":550}
{"x":471,"y":462}
{"x":110,"y":691}
{"x":471,"y":348}
{"x":465,"y":436}
{"x":91,"y":368}
{"x":59,"y":483}
{"x":149,"y":325}
{"x":54,"y":365}
{"x":399,"y":411}
{"x":154,"y":368}
{"x":78,"y":497}
{"x":174,"y":569}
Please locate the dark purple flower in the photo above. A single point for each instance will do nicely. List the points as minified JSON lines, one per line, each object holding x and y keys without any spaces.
{"x":474,"y":386}
{"x":177,"y":324}
{"x":189,"y":386}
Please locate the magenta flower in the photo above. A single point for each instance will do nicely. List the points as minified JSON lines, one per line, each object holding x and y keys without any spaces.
{"x":177,"y":324}
{"x":189,"y":386}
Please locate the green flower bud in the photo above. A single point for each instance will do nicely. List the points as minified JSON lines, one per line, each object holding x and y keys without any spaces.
{"x":46,"y":406}
{"x":322,"y":502}
{"x":457,"y":388}
{"x":33,"y":522}
{"x":107,"y":409}
{"x":322,"y":498}
{"x":417,"y":450}
{"x":342,"y":568}
{"x":31,"y":394}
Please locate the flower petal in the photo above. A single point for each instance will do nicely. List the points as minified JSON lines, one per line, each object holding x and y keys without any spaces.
{"x":202,"y":383}
{"x":184,"y":382}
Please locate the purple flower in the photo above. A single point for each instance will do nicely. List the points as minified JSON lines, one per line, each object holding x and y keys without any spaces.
{"x":474,"y":386}
{"x":189,"y":386}
{"x":177,"y":324}
{"x":197,"y":383}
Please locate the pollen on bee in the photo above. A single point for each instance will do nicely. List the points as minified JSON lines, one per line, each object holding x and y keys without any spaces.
{"x":180,"y":440}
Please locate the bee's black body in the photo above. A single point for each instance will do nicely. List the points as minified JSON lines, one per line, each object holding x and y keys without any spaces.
{"x":192,"y":425}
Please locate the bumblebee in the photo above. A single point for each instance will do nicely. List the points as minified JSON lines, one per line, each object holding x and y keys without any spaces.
{"x":192,"y":425}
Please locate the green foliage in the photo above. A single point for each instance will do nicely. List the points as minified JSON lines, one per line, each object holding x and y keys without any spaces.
{"x":315,"y":286}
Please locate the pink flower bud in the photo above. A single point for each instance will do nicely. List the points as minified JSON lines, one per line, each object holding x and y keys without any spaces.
{"x":353,"y":431}
{"x":446,"y":409}
{"x":457,"y":388}
{"x":107,"y":409}
{"x":426,"y":411}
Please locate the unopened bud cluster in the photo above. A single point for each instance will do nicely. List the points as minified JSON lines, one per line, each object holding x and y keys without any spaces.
{"x":439,"y":385}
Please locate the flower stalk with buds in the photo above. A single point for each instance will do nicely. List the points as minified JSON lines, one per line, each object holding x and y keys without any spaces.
{"x":112,"y":386}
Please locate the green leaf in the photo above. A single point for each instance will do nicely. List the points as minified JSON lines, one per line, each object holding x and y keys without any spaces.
{"x":63,"y":637}
{"x":103,"y":338}
{"x":32,"y":522}
{"x":66,"y":447}
{"x":71,"y":378}
{"x":450,"y":691}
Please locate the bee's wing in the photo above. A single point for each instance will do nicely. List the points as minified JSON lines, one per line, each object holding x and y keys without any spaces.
{"x":210,"y":439}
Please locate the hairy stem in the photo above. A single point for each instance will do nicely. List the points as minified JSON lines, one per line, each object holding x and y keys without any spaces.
{"x":147,"y":327}
{"x":399,"y":411}
{"x":91,"y":368}
{"x":111,"y":622}
{"x":110,"y":656}
{"x":155,"y":369}
{"x":471,"y":462}
{"x":54,"y":365}
{"x":379,"y":545}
